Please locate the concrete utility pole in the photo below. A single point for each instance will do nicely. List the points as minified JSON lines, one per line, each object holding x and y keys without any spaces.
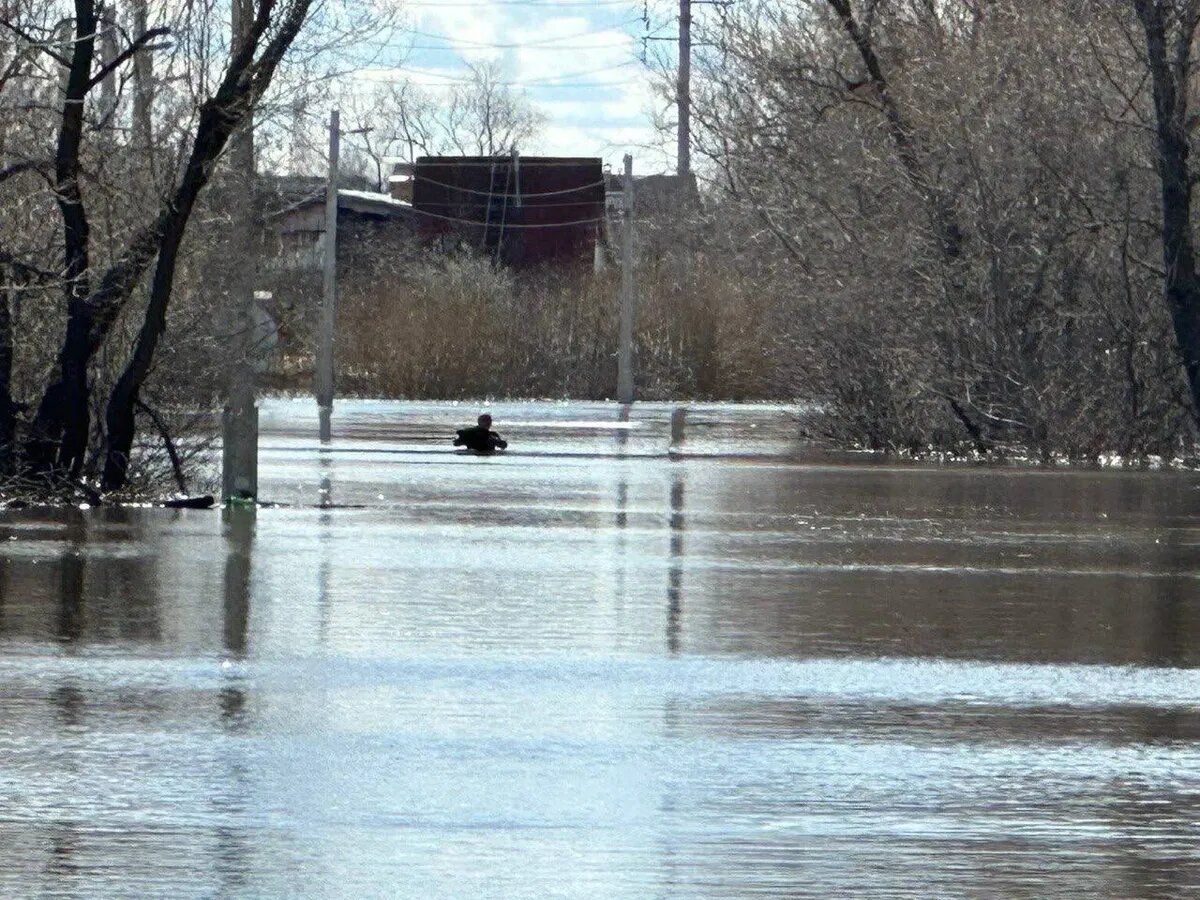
{"x":108,"y":52}
{"x":143,"y":75}
{"x":239,"y":469}
{"x":325,"y":385}
{"x":683,"y":164}
{"x":625,"y":351}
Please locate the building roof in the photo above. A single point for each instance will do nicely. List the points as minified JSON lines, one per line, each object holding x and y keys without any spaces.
{"x":365,"y":202}
{"x":280,"y":192}
{"x":373,"y":203}
{"x":657,"y":193}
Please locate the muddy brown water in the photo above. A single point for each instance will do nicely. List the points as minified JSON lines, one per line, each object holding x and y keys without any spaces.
{"x":590,"y":669}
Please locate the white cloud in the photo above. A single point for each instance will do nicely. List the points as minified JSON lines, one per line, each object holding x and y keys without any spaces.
{"x":609,"y":142}
{"x":464,"y":28}
{"x":579,"y":68}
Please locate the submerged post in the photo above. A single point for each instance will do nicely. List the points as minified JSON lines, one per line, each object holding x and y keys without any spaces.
{"x":239,"y":451}
{"x":625,"y":349}
{"x":239,"y":440}
{"x":329,"y":301}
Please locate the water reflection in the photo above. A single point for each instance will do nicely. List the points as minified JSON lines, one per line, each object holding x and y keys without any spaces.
{"x":239,"y":526}
{"x":64,"y":843}
{"x":121,"y":573}
{"x":232,"y":704}
{"x":69,"y":703}
{"x":325,"y":538}
{"x":678,"y":429}
{"x":230,"y":801}
{"x":5,"y":588}
{"x":621,"y":549}
{"x":325,"y":485}
{"x":970,"y":565}
{"x":623,"y":417}
{"x":232,"y":843}
{"x":1168,"y":637}
{"x":894,"y":682}
{"x":675,"y":567}
{"x":233,"y":859}
{"x":71,"y":613}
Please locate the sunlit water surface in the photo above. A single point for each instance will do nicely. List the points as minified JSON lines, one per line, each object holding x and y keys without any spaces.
{"x":593,"y":668}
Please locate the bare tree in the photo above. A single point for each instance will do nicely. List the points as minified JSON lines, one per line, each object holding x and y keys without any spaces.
{"x":255,"y":57}
{"x":60,"y":430}
{"x":484,"y":116}
{"x":386,"y":122}
{"x":1170,"y":34}
{"x":950,"y":205}
{"x":112,"y":121}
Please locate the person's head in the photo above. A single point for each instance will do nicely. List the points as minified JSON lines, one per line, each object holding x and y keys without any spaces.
{"x":485,"y":421}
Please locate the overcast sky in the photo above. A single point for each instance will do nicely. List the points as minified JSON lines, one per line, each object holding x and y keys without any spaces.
{"x":579,"y":61}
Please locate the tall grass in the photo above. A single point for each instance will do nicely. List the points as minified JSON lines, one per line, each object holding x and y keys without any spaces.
{"x":442,"y":328}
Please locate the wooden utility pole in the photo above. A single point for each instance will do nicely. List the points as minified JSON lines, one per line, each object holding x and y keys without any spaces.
{"x":239,"y":470}
{"x":325,"y":385}
{"x":683,"y":164}
{"x":625,"y":350}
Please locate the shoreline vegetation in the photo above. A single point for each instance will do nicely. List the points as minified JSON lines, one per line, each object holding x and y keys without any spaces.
{"x":965,"y":233}
{"x":151,"y":490}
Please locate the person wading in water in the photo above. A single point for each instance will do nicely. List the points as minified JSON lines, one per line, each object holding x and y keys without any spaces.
{"x":480,"y":438}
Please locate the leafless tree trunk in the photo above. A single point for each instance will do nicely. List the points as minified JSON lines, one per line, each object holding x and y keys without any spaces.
{"x":8,"y":412}
{"x":245,"y":81}
{"x":60,"y":430}
{"x":59,"y":433}
{"x":1170,"y":28}
{"x":903,"y":137}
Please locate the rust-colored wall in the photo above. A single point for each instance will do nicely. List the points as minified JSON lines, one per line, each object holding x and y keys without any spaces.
{"x":473,"y":200}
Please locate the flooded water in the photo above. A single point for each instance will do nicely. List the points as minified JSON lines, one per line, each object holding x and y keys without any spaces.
{"x":596,"y":668}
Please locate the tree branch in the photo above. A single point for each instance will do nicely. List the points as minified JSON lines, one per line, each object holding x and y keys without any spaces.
{"x":176,"y":465}
{"x":17,"y":168}
{"x":26,"y":270}
{"x":126,"y":54}
{"x":34,"y":42}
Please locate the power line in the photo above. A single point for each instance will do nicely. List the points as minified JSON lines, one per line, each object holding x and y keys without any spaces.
{"x":546,"y":80}
{"x":479,"y":224}
{"x":520,"y":45}
{"x":554,"y":47}
{"x":500,"y":195}
{"x":547,"y":4}
{"x":578,"y":85}
{"x":500,"y":161}
{"x":553,"y":162}
{"x":390,"y":44}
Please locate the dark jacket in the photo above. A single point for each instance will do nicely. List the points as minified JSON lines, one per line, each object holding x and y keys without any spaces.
{"x":479,"y":439}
